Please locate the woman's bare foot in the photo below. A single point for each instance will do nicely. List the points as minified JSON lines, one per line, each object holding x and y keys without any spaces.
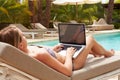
{"x":105,"y":54}
{"x":109,"y":53}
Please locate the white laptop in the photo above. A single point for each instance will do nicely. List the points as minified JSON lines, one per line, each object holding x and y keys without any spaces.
{"x":72,"y":35}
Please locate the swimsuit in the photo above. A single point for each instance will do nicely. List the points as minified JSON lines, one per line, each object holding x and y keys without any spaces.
{"x":51,"y":52}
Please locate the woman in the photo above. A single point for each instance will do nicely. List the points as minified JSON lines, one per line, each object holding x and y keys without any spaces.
{"x":63,"y":64}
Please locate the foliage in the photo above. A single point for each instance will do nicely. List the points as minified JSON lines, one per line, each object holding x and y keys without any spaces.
{"x":116,"y":18}
{"x":117,"y":1}
{"x":12,"y":11}
{"x":117,"y":25}
{"x":80,"y":13}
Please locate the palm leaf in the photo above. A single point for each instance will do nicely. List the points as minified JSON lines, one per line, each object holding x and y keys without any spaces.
{"x":4,"y":10}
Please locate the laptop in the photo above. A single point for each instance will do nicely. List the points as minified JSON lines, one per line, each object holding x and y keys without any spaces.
{"x":72,"y":35}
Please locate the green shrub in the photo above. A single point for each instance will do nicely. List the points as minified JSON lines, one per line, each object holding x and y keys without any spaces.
{"x":117,"y":25}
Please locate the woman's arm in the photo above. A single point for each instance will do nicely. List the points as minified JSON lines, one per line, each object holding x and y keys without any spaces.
{"x":57,"y":48}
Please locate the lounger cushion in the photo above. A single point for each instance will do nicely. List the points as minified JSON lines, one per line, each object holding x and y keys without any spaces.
{"x":94,"y":66}
{"x":97,"y":66}
{"x":16,"y":58}
{"x":101,"y":24}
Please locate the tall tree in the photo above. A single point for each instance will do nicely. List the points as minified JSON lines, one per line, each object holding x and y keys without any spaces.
{"x":39,"y":11}
{"x":43,"y":11}
{"x":110,"y":11}
{"x":32,"y":9}
{"x":47,"y":12}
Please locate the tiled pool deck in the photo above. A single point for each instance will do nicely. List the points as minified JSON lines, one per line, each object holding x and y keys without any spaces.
{"x":87,"y":33}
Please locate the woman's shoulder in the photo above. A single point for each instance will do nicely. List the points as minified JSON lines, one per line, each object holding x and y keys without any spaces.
{"x":35,"y":51}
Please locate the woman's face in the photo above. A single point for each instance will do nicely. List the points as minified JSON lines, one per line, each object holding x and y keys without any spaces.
{"x":23,"y":43}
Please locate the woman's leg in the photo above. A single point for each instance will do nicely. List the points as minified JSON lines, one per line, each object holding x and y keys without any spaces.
{"x":91,"y":45}
{"x":97,"y":49}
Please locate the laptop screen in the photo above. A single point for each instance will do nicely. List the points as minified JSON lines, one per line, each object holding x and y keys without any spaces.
{"x":72,"y":33}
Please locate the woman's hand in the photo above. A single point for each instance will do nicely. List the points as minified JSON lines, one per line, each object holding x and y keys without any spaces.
{"x":71,"y":51}
{"x":57,"y":48}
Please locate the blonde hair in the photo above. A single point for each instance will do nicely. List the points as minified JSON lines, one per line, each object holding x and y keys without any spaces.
{"x":11,"y":35}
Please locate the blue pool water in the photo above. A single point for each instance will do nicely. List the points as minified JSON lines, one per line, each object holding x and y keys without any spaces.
{"x":107,"y":40}
{"x":45,"y":43}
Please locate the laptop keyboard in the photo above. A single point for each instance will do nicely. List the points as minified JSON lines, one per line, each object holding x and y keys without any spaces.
{"x":78,"y":50}
{"x":66,"y":46}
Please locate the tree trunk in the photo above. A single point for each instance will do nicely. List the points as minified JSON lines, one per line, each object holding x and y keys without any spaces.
{"x":44,"y":15}
{"x":32,"y":9}
{"x":39,"y":11}
{"x":110,"y":11}
{"x":47,"y":13}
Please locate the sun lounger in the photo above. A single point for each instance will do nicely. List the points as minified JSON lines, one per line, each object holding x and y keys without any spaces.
{"x":100,"y":25}
{"x":55,"y":25}
{"x":38,"y":26}
{"x":32,"y":32}
{"x":49,"y":31}
{"x":16,"y":63}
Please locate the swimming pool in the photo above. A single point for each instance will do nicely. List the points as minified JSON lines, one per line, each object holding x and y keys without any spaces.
{"x":107,"y":40}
